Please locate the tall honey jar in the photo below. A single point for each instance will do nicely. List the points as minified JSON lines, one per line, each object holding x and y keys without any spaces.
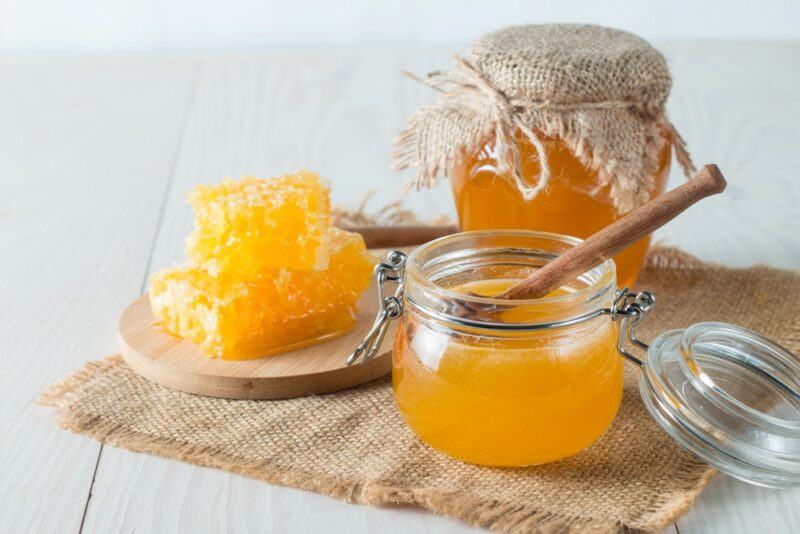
{"x":558,"y":128}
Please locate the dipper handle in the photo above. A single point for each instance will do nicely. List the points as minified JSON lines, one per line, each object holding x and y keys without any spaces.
{"x":401,"y":236}
{"x":619,"y":235}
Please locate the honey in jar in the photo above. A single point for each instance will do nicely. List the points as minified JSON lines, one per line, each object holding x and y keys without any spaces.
{"x":504,"y":389}
{"x":573,"y":204}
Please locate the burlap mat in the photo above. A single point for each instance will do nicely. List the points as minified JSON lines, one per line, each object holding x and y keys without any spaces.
{"x":353,"y":445}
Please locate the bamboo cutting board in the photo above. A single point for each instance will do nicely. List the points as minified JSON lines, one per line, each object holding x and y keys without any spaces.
{"x":179,"y":364}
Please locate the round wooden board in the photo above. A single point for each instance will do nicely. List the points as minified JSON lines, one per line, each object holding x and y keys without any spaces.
{"x":179,"y":364}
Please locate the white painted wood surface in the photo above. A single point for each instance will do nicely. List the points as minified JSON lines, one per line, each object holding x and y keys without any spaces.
{"x":89,"y":144}
{"x":152,"y":26}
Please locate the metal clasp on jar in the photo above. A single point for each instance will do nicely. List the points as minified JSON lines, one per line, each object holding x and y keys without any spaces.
{"x":390,"y":306}
{"x":628,"y":306}
{"x":632,"y":308}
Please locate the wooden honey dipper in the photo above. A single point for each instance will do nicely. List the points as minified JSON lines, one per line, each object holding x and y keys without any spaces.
{"x":589,"y":253}
{"x":405,"y":235}
{"x":618,"y":235}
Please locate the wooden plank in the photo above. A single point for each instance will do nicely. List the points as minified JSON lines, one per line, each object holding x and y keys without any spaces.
{"x":87,"y":148}
{"x":730,"y":506}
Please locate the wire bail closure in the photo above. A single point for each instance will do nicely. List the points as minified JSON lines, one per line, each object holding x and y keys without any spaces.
{"x":631,"y":307}
{"x":389,"y":307}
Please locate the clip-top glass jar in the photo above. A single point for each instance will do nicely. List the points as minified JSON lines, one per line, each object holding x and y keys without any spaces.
{"x":523,"y":382}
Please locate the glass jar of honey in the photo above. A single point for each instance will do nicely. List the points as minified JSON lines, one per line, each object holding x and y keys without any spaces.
{"x":505,"y":389}
{"x":573,"y":203}
{"x":523,"y":382}
{"x":550,"y":127}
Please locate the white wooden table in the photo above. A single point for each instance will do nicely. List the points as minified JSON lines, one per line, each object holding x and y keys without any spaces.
{"x":97,"y":155}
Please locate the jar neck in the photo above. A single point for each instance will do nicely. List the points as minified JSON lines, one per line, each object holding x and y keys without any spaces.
{"x":435,"y":271}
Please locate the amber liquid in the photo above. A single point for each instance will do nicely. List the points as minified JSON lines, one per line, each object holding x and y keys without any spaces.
{"x":517,"y":401}
{"x":572,"y":204}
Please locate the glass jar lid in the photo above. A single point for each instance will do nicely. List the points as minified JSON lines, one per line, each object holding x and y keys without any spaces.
{"x":731,"y":397}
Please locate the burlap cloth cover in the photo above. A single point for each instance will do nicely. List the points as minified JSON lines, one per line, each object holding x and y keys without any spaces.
{"x":602,"y":91}
{"x":353,"y":445}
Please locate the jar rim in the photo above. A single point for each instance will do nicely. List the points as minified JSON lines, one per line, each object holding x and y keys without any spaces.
{"x":600,"y":278}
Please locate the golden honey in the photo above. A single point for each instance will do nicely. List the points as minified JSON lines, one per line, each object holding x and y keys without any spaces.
{"x":510,"y":389}
{"x":572,"y":204}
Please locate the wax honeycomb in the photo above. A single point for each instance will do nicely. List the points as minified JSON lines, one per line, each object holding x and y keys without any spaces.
{"x":275,"y":311}
{"x":245,"y":226}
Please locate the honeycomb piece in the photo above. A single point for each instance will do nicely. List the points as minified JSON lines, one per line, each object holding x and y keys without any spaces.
{"x":246,"y":226}
{"x":277,"y":311}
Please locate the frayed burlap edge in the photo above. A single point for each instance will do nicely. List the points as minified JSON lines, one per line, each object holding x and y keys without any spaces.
{"x":475,"y":511}
{"x":470,"y":111}
{"x":663,"y":256}
{"x":479,"y":512}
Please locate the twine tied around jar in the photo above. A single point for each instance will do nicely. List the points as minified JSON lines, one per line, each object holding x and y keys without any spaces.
{"x":602,"y":91}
